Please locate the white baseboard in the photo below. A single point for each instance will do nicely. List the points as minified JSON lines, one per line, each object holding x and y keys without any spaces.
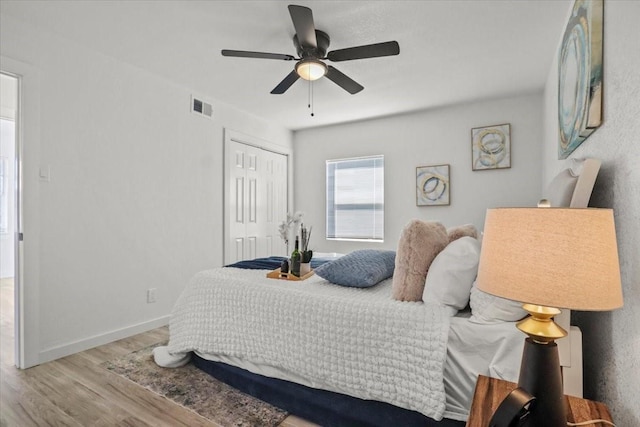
{"x":57,"y":352}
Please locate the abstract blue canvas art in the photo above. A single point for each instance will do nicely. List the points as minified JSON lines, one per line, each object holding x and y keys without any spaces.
{"x":580,"y":76}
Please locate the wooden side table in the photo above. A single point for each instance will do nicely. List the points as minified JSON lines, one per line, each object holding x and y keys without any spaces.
{"x":491,"y":391}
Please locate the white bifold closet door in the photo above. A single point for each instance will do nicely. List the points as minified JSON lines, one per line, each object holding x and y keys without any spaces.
{"x":255,"y":201}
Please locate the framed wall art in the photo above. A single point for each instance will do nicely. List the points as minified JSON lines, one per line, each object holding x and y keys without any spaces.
{"x":491,"y":147}
{"x":580,"y":76}
{"x":432,"y":185}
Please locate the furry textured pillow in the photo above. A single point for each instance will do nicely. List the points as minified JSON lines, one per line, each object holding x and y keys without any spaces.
{"x":467,"y":230}
{"x":419,"y":244}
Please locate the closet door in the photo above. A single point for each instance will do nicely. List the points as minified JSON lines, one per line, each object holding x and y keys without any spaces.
{"x":275,"y":203}
{"x":255,"y":201}
{"x":235,"y":206}
{"x":279,"y":203}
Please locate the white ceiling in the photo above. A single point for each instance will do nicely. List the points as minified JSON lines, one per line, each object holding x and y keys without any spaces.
{"x":450,"y":51}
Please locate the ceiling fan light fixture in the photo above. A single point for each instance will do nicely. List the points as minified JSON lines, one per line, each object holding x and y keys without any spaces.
{"x":311,"y":69}
{"x":311,"y":46}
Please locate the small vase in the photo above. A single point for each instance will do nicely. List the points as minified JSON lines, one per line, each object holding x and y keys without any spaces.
{"x":305,"y":268}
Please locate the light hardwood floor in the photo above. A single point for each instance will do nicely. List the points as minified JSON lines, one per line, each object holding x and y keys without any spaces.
{"x":77,"y":391}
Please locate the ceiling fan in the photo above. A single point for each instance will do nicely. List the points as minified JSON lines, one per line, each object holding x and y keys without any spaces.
{"x":311,"y":46}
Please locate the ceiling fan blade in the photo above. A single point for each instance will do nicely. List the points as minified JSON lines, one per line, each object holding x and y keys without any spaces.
{"x":367,"y":51}
{"x":343,"y":80}
{"x":302,"y":18}
{"x":286,"y":83}
{"x":261,"y":55}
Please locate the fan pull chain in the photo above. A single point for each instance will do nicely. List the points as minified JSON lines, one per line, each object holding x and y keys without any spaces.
{"x":310,"y":97}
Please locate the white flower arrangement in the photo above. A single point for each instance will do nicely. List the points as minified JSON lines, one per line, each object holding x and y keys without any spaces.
{"x":289,"y":225}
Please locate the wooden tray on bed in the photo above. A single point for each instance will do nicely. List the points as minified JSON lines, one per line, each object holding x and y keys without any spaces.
{"x":275,"y":274}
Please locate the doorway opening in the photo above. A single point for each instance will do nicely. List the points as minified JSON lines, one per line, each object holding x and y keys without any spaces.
{"x":9,"y":85}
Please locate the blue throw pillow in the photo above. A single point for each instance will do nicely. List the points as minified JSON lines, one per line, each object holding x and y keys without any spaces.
{"x":359,"y":269}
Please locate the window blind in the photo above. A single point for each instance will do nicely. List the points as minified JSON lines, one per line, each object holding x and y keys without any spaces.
{"x":355,"y":198}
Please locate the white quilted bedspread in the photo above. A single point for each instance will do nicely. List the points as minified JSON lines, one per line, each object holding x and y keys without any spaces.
{"x":353,"y":341}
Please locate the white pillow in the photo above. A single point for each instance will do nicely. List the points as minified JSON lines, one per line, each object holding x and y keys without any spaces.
{"x":561,"y":188}
{"x":487,"y":308}
{"x":452,"y":273}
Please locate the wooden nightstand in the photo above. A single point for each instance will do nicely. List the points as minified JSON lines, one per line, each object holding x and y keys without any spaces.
{"x":491,"y":391}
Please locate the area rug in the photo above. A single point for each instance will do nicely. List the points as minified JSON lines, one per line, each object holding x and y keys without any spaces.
{"x":196,"y":390}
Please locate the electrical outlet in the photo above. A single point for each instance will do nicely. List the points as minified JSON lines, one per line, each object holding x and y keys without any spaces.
{"x":151,"y":295}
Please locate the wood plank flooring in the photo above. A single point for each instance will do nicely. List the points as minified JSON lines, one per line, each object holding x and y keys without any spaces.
{"x":77,"y":391}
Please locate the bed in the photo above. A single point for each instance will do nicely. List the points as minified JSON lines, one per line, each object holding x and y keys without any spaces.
{"x":339,"y":355}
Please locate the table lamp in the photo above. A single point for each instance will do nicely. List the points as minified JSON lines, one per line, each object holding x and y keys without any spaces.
{"x":549,"y":258}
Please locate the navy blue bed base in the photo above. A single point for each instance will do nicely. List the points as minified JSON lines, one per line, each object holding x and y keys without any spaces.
{"x":319,"y":406}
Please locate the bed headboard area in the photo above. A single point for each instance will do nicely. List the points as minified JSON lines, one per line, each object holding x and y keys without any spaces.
{"x":572,"y":188}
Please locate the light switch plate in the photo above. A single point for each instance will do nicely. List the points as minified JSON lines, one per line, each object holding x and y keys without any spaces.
{"x":45,"y":173}
{"x":151,"y":295}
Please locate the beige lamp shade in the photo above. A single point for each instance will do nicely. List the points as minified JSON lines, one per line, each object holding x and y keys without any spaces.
{"x":555,"y":257}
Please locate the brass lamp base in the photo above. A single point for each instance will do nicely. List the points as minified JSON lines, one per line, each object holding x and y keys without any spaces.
{"x":540,"y":368}
{"x":540,"y":325}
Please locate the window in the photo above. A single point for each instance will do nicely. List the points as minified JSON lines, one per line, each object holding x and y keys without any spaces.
{"x":355,"y":198}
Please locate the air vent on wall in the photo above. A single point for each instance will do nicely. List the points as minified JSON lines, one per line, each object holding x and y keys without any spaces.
{"x":200,"y":107}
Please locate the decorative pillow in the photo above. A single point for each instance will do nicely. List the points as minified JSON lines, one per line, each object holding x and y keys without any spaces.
{"x":419,"y":244}
{"x":487,"y":308}
{"x":461,"y":231}
{"x":452,"y":274}
{"x":561,"y":188}
{"x":359,"y":269}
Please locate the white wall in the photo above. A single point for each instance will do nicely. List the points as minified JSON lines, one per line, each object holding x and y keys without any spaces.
{"x":612,"y":339}
{"x":135,"y":195}
{"x":418,"y":139}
